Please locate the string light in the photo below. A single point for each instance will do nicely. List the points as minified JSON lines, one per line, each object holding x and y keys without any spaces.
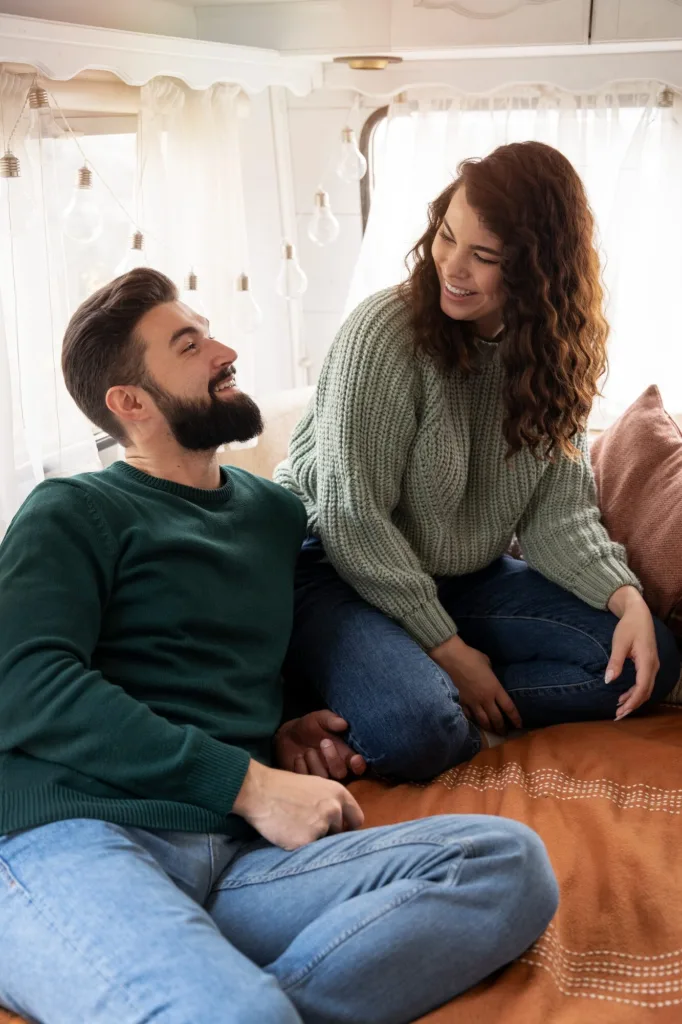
{"x":82,"y":217}
{"x":291,"y":281}
{"x":41,"y":121}
{"x":247,"y":314}
{"x":323,"y":227}
{"x":135,"y":257}
{"x":192,"y":297}
{"x":351,"y":165}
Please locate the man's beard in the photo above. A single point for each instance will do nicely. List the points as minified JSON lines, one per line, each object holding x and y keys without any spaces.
{"x":203,"y":425}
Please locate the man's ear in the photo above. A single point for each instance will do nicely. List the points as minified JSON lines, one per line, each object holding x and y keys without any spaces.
{"x":128,"y":403}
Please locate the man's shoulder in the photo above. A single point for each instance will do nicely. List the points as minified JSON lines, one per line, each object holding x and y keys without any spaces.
{"x":261,"y":490}
{"x":62,"y":507}
{"x":61,"y":492}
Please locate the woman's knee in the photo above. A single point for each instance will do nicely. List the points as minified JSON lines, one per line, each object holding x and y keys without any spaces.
{"x":420,"y":731}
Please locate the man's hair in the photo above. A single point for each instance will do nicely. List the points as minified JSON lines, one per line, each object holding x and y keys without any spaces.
{"x":101,"y":348}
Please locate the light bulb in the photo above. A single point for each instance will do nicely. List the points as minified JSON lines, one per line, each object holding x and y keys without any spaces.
{"x":352,"y":165}
{"x":291,"y":281}
{"x":15,"y":193}
{"x":82,"y":217}
{"x":41,"y":120}
{"x":323,"y":227}
{"x":247,"y":316}
{"x":135,"y":256}
{"x":192,"y":297}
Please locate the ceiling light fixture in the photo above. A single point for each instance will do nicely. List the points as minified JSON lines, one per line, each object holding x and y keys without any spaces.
{"x":368,"y":63}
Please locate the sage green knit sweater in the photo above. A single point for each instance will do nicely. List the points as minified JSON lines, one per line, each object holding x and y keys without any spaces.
{"x":403,"y":474}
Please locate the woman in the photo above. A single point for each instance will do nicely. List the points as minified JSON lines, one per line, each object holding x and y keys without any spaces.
{"x":450,"y":415}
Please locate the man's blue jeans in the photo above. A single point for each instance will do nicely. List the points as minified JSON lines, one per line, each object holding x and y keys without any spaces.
{"x":548,"y":648}
{"x":104,"y":924}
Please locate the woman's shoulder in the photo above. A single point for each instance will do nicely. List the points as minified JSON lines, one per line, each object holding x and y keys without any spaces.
{"x":386,"y":310}
{"x":379,"y":327}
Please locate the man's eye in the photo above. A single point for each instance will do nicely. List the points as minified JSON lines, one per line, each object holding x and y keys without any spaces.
{"x":191,"y":345}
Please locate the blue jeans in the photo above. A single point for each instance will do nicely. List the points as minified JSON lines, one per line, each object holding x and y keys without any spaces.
{"x":547,"y":647}
{"x":102,"y":923}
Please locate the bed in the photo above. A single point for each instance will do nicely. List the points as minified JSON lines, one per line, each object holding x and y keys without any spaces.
{"x":607,"y":800}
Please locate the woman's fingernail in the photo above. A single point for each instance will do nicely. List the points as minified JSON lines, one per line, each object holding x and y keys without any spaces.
{"x":327,"y":744}
{"x":608,"y":678}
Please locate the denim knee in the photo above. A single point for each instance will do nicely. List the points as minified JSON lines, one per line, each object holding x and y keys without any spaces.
{"x":419,"y":740}
{"x":532,"y":892}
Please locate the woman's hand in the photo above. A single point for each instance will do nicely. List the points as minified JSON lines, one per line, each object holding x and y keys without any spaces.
{"x":481,"y":694}
{"x":635,"y":638}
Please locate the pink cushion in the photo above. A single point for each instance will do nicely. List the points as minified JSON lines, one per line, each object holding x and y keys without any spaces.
{"x":638,"y":469}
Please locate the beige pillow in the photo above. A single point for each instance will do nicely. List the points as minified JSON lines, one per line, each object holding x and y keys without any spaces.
{"x":638,"y":469}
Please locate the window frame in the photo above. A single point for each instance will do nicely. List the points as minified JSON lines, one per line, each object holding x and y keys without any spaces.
{"x":365,"y":147}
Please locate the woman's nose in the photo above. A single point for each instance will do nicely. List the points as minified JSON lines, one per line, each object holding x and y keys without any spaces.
{"x":457,"y":266}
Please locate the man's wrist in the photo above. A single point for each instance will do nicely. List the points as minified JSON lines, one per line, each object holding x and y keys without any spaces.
{"x":248,"y":796}
{"x":622,"y":599}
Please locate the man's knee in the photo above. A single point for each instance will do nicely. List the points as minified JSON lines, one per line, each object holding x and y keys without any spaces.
{"x":531,"y":893}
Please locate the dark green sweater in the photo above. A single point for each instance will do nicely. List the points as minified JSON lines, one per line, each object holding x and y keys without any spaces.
{"x":143,"y":625}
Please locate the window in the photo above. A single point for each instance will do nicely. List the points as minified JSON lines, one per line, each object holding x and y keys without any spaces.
{"x":627,"y":146}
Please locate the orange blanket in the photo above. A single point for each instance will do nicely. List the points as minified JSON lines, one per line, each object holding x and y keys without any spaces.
{"x":607,"y":800}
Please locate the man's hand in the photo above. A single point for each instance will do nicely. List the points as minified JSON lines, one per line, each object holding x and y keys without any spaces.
{"x":481,"y":694}
{"x":635,"y":638}
{"x":309,"y":746}
{"x":293,"y":810}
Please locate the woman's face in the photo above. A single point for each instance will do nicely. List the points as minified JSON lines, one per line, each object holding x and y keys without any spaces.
{"x":467,"y":258}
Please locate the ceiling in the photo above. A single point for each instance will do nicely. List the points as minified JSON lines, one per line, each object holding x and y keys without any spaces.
{"x":234,"y":3}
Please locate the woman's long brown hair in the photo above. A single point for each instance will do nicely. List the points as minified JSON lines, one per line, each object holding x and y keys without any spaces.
{"x":554,"y":348}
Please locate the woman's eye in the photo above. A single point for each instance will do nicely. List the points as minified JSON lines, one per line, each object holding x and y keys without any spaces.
{"x":446,"y":238}
{"x":493,"y":263}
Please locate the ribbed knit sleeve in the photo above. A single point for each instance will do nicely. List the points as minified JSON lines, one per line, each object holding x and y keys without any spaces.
{"x":362,"y":424}
{"x":562,"y":536}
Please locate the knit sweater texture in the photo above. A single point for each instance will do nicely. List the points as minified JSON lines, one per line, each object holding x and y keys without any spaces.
{"x":403,"y":472}
{"x":143,"y":625}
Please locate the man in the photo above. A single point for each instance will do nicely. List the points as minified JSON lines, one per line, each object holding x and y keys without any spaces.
{"x":153,"y":866}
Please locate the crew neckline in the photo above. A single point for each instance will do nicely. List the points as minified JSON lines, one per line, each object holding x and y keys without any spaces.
{"x":204,"y":495}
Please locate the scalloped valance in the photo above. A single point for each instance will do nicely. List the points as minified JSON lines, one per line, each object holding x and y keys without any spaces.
{"x":61,"y":51}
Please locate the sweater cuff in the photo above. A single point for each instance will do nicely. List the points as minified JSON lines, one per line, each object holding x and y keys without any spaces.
{"x":216,"y":775}
{"x":429,"y":624}
{"x":599,"y":580}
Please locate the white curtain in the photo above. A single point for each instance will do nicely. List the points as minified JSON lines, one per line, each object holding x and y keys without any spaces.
{"x":626,"y":143}
{"x":42,"y":433}
{"x":190,"y":198}
{"x":189,"y":204}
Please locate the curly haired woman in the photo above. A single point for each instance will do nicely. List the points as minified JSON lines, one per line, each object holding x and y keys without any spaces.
{"x":449,"y":416}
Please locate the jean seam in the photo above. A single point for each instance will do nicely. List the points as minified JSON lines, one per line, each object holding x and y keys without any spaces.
{"x":16,"y":886}
{"x":451,"y":878}
{"x":586,"y":683}
{"x":335,"y":861}
{"x":540,"y":618}
{"x":302,"y":973}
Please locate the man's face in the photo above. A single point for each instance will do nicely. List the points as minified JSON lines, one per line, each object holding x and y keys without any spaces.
{"x":191,"y":378}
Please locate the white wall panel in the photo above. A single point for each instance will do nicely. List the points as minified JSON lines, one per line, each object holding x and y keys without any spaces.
{"x":637,"y":19}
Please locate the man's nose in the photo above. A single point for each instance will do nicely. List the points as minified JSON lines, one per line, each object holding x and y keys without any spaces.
{"x":223,"y":354}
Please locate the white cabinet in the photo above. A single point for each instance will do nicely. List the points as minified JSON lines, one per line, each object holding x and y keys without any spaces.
{"x":426,"y":24}
{"x":627,"y":20}
{"x":362,"y":26}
